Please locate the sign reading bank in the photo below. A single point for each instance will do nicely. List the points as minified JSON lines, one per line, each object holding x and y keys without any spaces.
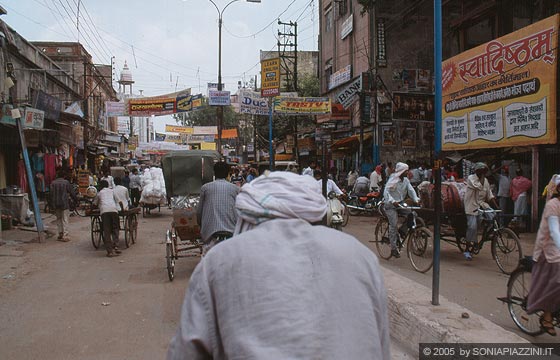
{"x":502,"y":93}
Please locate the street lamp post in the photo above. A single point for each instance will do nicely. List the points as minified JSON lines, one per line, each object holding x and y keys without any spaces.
{"x":220,"y":109}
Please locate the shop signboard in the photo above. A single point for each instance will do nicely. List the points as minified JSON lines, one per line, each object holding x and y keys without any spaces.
{"x":502,"y":93}
{"x":350,"y":94}
{"x":340,"y":77}
{"x":178,"y":129}
{"x":347,"y":27}
{"x":151,"y":106}
{"x":270,"y":77}
{"x":205,"y":130}
{"x":251,"y":102}
{"x":51,"y":105}
{"x":6,"y":115}
{"x":33,"y":118}
{"x":219,"y":98}
{"x":115,"y":108}
{"x":302,"y":106}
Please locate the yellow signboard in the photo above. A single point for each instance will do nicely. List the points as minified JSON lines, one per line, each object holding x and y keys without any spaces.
{"x":270,"y":77}
{"x":309,"y":106}
{"x":207,"y":146}
{"x":178,"y":129}
{"x":502,"y":93}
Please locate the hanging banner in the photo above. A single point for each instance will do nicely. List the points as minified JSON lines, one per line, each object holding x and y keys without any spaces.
{"x":207,"y":146}
{"x":184,"y":103}
{"x":251,"y":102}
{"x":33,"y":118}
{"x":173,"y":138}
{"x":114,"y":108}
{"x":270,"y":77}
{"x":197,"y":102}
{"x":219,"y":98}
{"x":178,"y":129}
{"x":205,"y":130}
{"x":503,"y":93}
{"x":144,"y":107}
{"x":160,"y":137}
{"x":298,"y":106}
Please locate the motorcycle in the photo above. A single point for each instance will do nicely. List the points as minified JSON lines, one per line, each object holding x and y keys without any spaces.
{"x":335,"y":212}
{"x":368,"y":204}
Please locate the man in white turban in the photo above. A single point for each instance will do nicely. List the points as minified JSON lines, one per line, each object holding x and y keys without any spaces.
{"x":282,"y":288}
{"x":397,"y":188}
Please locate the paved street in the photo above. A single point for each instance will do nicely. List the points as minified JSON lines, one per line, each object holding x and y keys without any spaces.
{"x":68,"y":301}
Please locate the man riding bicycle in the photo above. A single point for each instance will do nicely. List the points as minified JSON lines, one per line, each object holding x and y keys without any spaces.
{"x":477,"y":196}
{"x":396,"y":190}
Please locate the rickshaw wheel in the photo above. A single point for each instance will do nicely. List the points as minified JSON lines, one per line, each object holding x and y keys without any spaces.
{"x":133,"y":228}
{"x":96,"y":232}
{"x":170,"y":261}
{"x":127,"y":240}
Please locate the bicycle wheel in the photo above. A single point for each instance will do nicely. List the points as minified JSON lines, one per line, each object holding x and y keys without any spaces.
{"x":506,"y":250}
{"x":420,"y":249}
{"x":382,"y":242}
{"x":170,"y":257}
{"x":96,"y":232}
{"x":518,"y":287}
{"x":133,"y":227}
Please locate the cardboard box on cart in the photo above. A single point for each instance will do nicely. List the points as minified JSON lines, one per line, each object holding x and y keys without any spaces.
{"x":186,"y":224}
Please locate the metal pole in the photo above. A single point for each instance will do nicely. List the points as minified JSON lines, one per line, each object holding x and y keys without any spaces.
{"x":270,"y":147}
{"x":30,"y":180}
{"x":438,"y":120}
{"x":220,"y":109}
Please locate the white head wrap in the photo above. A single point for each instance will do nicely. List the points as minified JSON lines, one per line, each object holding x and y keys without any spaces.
{"x":395,"y":176}
{"x":279,"y":195}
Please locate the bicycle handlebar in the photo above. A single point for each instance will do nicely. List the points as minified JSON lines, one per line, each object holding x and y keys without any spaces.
{"x":489,"y":210}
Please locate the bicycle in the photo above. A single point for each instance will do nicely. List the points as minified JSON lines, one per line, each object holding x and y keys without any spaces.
{"x":518,"y":287}
{"x":504,"y":242}
{"x":417,"y":237}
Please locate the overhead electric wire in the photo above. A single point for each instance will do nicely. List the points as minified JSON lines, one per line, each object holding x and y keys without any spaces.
{"x":96,"y":38}
{"x":99,"y":37}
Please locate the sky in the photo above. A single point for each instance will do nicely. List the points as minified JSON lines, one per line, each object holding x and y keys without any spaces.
{"x":169,"y":45}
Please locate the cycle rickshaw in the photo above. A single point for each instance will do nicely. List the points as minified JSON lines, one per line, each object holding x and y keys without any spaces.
{"x":128,"y":223}
{"x":185,"y":172}
{"x":504,"y":242}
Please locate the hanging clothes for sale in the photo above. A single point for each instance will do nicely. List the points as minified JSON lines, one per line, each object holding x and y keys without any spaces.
{"x":38,"y":162}
{"x":50,"y":168}
{"x":22,"y":177}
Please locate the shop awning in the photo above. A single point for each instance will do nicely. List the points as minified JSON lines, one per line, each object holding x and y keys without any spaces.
{"x":349,"y":142}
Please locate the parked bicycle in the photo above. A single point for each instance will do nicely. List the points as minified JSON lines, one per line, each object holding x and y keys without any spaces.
{"x":418,"y":238}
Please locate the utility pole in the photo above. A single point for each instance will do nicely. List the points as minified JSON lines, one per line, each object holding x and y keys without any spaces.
{"x":86,"y":117}
{"x":285,"y":60}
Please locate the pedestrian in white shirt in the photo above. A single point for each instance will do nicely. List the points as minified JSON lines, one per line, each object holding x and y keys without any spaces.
{"x":110,"y":181}
{"x":121,"y":194}
{"x":375,"y":179}
{"x":278,"y":289}
{"x":105,"y":200}
{"x":331,"y":185}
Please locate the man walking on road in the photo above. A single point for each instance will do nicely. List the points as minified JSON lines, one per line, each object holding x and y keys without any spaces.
{"x":216,"y":208}
{"x":105,"y":200}
{"x":282,"y":288}
{"x":135,"y":187}
{"x":61,"y":191}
